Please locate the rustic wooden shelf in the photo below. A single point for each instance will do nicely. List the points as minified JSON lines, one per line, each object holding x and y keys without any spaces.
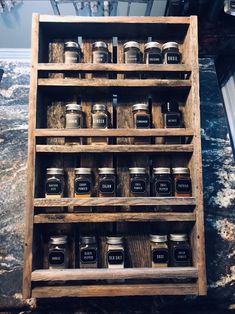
{"x":115,"y":290}
{"x":114,"y":201}
{"x":117,"y":68}
{"x":113,"y":132}
{"x":114,"y":274}
{"x":112,"y":217}
{"x":114,"y":148}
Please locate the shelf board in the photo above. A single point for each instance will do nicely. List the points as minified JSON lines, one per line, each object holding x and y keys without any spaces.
{"x":74,"y":82}
{"x":154,"y":148}
{"x":115,"y":290}
{"x":113,"y":132}
{"x":112,"y":217}
{"x":114,"y":274}
{"x":115,"y":201}
{"x":118,"y":68}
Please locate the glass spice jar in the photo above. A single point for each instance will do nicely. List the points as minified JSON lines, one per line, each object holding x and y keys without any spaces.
{"x":99,"y":120}
{"x":182,"y":182}
{"x":88,"y":252}
{"x":172,"y":118}
{"x":54,"y":183}
{"x":180,"y":250}
{"x":58,"y":252}
{"x":159,"y":250}
{"x":152,"y":53}
{"x":141,"y":120}
{"x":72,"y":52}
{"x":138,"y":182}
{"x":100,"y":53}
{"x":82,"y":183}
{"x":115,"y":252}
{"x":74,"y":116}
{"x":162,"y":182}
{"x":107,"y":182}
{"x":132,"y":52}
{"x":171,"y":53}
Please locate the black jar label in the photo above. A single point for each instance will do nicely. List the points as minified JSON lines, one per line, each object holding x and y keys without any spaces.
{"x":56,"y":258}
{"x":154,"y":58}
{"x":182,"y":255}
{"x":142,"y":121}
{"x":163,"y":187}
{"x":100,"y":57}
{"x":172,"y":120}
{"x":160,"y":256}
{"x":53,"y":187}
{"x":100,"y":122}
{"x":82,"y":186}
{"x":232,"y":4}
{"x":132,"y":57}
{"x":107,"y":186}
{"x":88,"y":256}
{"x":138,"y":186}
{"x":172,"y":58}
{"x":73,"y":121}
{"x":115,"y":257}
{"x":183,"y":186}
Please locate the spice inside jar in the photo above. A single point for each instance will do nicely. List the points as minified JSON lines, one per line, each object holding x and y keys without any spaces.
{"x":159,"y":250}
{"x":72,"y":52}
{"x":115,"y":252}
{"x":141,"y":120}
{"x":132,"y":52}
{"x":162,"y":182}
{"x":180,"y":250}
{"x":88,"y":252}
{"x":182,"y":182}
{"x":107,"y":182}
{"x":172,"y":118}
{"x":82,"y":183}
{"x":138,"y":182}
{"x":152,"y":53}
{"x":100,"y":53}
{"x":99,"y":120}
{"x":54,"y":183}
{"x":58,"y":253}
{"x":74,"y":116}
{"x":171,"y":53}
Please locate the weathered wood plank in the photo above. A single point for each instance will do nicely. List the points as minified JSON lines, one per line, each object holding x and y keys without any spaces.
{"x":112,"y":217}
{"x":114,"y":201}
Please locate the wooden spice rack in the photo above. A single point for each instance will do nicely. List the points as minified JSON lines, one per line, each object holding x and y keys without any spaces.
{"x":132,"y":217}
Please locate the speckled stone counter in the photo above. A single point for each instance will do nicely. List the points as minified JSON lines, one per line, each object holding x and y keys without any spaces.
{"x":219,"y":198}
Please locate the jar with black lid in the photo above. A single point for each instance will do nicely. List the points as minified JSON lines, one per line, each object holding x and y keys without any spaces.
{"x":180,"y":250}
{"x":107,"y":182}
{"x":182,"y":182}
{"x":138,"y":182}
{"x":99,"y":120}
{"x":159,"y":250}
{"x":162,"y":182}
{"x":58,"y":253}
{"x":172,"y":118}
{"x":152,"y":53}
{"x":88,"y":252}
{"x":54,"y":187}
{"x":141,"y":120}
{"x":72,"y":52}
{"x":82,"y":183}
{"x":171,"y":53}
{"x":100,"y":53}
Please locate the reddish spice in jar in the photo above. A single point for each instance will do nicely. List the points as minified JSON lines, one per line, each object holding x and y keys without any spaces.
{"x":182,"y":182}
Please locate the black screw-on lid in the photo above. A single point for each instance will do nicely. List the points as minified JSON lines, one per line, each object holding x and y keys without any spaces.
{"x":170,"y":106}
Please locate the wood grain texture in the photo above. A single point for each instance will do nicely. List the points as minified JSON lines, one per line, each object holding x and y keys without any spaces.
{"x":114,"y":274}
{"x":115,"y":290}
{"x":112,"y":217}
{"x":113,"y":148}
{"x":114,"y":201}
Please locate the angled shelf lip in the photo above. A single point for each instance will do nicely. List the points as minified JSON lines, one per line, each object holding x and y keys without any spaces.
{"x":115,"y":201}
{"x":112,"y":67}
{"x":114,"y":132}
{"x":115,"y":290}
{"x":113,"y":217}
{"x":114,"y":148}
{"x":116,"y":274}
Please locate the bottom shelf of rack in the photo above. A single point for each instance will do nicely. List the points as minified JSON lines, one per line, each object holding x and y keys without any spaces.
{"x":115,"y":290}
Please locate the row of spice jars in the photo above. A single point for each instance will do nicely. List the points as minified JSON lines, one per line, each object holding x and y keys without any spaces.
{"x":164,"y":182}
{"x":154,"y":53}
{"x":173,"y":251}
